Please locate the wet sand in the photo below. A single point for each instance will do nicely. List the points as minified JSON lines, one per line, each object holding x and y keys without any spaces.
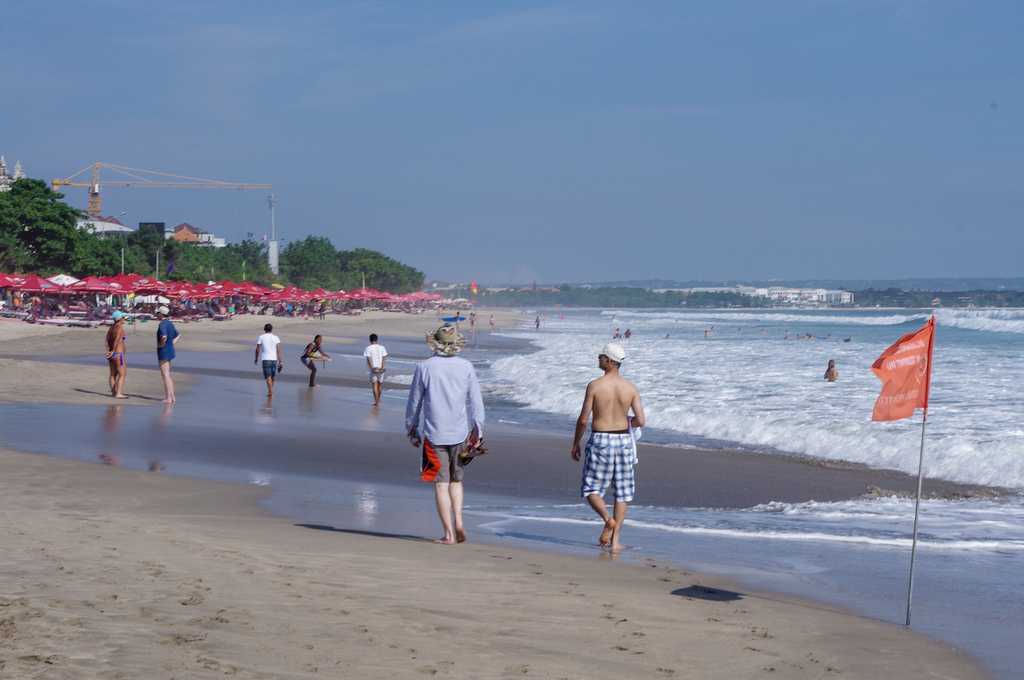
{"x":358,"y":444}
{"x":116,"y":573}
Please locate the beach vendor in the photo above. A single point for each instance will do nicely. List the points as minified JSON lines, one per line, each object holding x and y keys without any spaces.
{"x":375,"y":354}
{"x":117,"y":356}
{"x":444,"y":415}
{"x":312,"y":354}
{"x":166,"y":336}
{"x":610,"y":457}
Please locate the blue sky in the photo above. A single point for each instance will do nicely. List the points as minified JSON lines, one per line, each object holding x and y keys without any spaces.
{"x":556,"y":141}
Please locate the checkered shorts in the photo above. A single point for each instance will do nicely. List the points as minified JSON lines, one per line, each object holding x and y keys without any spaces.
{"x":610,"y":457}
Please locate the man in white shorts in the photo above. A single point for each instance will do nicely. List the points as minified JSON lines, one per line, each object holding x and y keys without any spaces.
{"x":375,"y":354}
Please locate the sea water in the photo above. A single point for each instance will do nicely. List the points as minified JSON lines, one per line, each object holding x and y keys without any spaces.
{"x":753,"y":379}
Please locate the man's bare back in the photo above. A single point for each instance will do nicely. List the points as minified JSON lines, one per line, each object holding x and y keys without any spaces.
{"x":612,"y":397}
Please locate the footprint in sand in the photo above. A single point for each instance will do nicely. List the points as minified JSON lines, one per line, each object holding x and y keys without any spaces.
{"x":192,"y":600}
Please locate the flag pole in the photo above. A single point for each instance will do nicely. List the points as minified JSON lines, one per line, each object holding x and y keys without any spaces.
{"x":917,"y":509}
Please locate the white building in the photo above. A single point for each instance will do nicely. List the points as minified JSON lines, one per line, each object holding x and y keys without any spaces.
{"x":7,"y":180}
{"x":105,"y":226}
{"x":776,"y":294}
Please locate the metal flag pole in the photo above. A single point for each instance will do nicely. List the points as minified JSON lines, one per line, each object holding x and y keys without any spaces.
{"x":917,"y":509}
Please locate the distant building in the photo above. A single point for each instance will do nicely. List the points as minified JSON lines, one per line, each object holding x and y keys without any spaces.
{"x":105,"y":227}
{"x":7,"y":180}
{"x":186,"y":233}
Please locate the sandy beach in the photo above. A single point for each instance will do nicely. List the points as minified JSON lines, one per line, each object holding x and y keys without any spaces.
{"x":121,"y":573}
{"x":114,"y":573}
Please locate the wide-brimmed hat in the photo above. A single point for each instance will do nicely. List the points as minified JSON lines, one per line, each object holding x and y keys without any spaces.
{"x":446,"y":341}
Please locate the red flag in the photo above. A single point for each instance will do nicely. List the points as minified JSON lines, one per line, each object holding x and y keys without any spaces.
{"x":473,"y":288}
{"x":905,"y":370}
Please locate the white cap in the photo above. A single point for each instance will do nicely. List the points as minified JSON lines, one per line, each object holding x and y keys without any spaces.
{"x":615,"y":352}
{"x":164,"y":310}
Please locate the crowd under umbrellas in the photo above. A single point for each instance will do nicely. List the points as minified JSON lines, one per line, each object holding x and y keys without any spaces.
{"x":65,"y":300}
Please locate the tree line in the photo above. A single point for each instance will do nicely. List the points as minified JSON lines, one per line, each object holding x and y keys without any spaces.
{"x":39,"y":233}
{"x":609,"y":296}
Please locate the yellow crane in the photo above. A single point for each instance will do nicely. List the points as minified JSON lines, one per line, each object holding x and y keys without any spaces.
{"x":150,"y":179}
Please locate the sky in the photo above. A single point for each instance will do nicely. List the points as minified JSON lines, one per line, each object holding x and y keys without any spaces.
{"x":550,"y":141}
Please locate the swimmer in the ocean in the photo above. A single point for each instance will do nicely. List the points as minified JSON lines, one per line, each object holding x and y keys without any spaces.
{"x":831,"y":373}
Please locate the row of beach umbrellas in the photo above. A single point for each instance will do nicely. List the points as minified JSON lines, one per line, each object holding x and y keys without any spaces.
{"x":125,"y":284}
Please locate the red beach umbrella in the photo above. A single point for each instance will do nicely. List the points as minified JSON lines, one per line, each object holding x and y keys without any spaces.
{"x":31,"y":283}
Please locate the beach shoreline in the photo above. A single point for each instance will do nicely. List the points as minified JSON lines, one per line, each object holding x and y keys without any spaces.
{"x":120,"y":571}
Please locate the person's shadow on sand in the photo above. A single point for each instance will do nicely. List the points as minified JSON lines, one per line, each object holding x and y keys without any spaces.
{"x":710,"y":594}
{"x":107,"y":394}
{"x":364,"y":532}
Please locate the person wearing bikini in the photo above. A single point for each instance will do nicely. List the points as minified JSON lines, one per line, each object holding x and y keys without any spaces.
{"x":117,"y":356}
{"x":610,"y":453}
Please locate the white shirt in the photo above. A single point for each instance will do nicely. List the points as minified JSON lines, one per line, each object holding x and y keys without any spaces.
{"x":446,"y":392}
{"x":375,"y":353}
{"x":268,"y":343}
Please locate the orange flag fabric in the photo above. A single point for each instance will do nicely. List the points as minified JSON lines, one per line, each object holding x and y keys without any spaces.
{"x":905,"y":370}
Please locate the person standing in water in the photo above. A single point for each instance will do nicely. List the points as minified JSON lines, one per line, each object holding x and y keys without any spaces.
{"x":166,"y":336}
{"x":117,"y":356}
{"x":831,"y":372}
{"x":310,"y":355}
{"x":376,"y":354}
{"x":536,"y":323}
{"x":610,"y":456}
{"x":268,"y":354}
{"x":445,"y":395}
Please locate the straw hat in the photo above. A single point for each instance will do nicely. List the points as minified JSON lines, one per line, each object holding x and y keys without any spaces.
{"x":446,"y":341}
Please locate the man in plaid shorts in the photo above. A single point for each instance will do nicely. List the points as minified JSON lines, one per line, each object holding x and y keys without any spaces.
{"x":611,"y":450}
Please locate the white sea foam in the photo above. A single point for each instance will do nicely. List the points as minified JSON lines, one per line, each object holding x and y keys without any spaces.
{"x":753,"y":387}
{"x":982,"y":526}
{"x":993,"y":320}
{"x":711,"y":317}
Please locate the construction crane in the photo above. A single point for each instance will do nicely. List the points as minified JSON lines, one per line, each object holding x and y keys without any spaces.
{"x":149,"y":179}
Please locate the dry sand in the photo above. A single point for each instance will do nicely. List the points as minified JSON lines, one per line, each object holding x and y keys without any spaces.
{"x":111,"y":573}
{"x":240,"y":332}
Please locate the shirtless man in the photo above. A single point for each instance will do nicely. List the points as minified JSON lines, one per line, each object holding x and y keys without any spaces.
{"x":611,"y":449}
{"x":117,"y":359}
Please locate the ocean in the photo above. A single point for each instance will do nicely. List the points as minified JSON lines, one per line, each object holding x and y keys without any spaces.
{"x":753,"y":380}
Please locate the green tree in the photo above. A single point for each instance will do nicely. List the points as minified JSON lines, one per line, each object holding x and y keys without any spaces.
{"x":39,"y":231}
{"x":380,"y":271}
{"x":311,"y":263}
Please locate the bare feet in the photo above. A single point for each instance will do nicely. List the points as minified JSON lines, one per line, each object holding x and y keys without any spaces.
{"x":606,"y":534}
{"x":460,"y":535}
{"x":447,"y":540}
{"x":120,"y":396}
